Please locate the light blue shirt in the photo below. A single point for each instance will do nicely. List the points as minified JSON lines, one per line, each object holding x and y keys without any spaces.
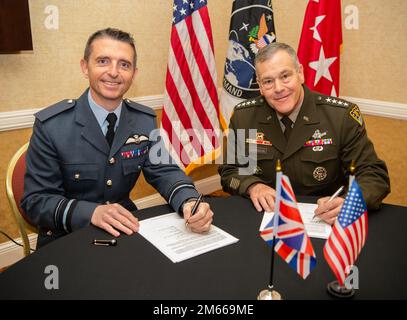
{"x":101,"y":114}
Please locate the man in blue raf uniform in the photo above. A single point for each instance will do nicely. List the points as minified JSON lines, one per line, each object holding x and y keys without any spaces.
{"x":85,"y":155}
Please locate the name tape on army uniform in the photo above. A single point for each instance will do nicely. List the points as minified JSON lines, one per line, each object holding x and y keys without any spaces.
{"x":259,"y":139}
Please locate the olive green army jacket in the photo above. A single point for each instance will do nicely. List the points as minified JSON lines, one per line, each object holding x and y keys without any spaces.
{"x":328,"y":134}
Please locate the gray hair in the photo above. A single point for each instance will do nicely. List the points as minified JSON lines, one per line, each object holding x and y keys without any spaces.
{"x":270,"y":50}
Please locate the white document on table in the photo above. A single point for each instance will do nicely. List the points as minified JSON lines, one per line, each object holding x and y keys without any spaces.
{"x":315,"y":228}
{"x":169,"y":234}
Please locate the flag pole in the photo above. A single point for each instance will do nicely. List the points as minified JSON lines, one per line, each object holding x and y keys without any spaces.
{"x":276,"y":210}
{"x":269,"y":293}
{"x":352,"y":169}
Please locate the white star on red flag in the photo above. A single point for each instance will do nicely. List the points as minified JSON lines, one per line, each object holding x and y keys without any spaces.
{"x":316,"y":35}
{"x":320,"y":45}
{"x":321,"y":66}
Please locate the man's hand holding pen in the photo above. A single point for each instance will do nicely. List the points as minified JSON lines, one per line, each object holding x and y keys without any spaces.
{"x":198,"y":215}
{"x":329,"y":207}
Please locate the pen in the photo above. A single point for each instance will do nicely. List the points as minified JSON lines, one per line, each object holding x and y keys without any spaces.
{"x":196,"y":205}
{"x":107,"y":243}
{"x":337,"y":193}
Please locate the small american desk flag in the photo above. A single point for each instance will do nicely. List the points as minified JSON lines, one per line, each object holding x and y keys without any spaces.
{"x":292,"y":241}
{"x":191,"y":109}
{"x":348,"y":234}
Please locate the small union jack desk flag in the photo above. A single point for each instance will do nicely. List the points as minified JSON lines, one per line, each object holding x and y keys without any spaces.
{"x":292,"y":241}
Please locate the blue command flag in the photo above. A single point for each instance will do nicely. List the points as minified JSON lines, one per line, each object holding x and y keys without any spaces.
{"x":251,"y":27}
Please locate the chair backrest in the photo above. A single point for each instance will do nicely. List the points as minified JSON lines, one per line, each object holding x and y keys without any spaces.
{"x":15,"y":189}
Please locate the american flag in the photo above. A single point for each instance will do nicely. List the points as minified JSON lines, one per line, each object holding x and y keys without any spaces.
{"x":190,"y":116}
{"x":292,"y":241}
{"x":320,"y":46}
{"x":348,"y":234}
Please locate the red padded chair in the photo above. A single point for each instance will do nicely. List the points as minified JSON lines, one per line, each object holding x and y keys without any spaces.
{"x":15,"y":190}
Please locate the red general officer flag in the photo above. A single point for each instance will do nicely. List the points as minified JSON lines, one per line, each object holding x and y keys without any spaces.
{"x":320,"y":45}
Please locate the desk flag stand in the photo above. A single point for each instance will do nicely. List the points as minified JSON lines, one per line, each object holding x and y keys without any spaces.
{"x":334,"y":287}
{"x":269,"y":293}
{"x":339,"y":291}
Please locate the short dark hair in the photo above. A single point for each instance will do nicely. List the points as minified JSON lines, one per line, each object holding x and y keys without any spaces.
{"x":112,"y":33}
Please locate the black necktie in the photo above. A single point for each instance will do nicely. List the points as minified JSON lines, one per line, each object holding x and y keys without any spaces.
{"x":288,"y":126}
{"x":111,"y":119}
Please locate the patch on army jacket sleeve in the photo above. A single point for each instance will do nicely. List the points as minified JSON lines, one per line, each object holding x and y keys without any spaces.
{"x":140,"y":107}
{"x":250,"y":103}
{"x":356,"y":115}
{"x":55,"y":109}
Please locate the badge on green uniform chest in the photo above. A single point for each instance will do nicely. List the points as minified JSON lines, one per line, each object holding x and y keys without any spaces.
{"x":260,"y":142}
{"x":317,"y":143}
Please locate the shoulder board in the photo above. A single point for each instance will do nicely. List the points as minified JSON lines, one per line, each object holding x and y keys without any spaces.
{"x":140,"y":107}
{"x":353,"y":109}
{"x":332,"y":101}
{"x":250,"y":103}
{"x":55,"y":109}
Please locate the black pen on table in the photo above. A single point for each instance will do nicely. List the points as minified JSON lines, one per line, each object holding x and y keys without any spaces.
{"x":336,"y":194}
{"x":195,"y":207}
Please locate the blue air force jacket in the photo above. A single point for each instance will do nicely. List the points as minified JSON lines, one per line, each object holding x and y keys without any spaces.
{"x":71,"y":169}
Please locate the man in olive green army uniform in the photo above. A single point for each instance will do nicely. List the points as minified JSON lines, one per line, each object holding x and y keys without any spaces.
{"x":315,"y":136}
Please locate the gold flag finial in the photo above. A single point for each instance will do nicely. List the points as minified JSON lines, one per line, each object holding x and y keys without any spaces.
{"x":352,"y":167}
{"x":278,"y":165}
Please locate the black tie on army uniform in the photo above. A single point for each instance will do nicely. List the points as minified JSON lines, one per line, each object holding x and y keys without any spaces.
{"x":111,"y":119}
{"x":288,"y":126}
